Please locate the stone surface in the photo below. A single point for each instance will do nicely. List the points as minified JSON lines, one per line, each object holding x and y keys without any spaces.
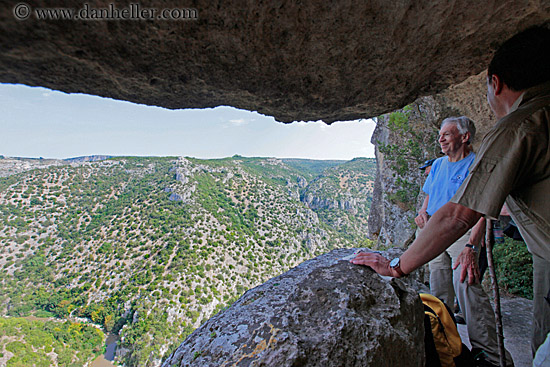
{"x":295,"y":61}
{"x":325,"y":312}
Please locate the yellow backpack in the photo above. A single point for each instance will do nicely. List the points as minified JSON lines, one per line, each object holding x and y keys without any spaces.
{"x":444,"y":346}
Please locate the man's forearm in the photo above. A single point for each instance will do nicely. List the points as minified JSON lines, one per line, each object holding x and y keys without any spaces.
{"x":477,"y":232}
{"x":447,"y":225}
{"x":425,"y":204}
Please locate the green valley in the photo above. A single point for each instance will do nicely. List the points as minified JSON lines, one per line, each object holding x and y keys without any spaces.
{"x":150,"y":247}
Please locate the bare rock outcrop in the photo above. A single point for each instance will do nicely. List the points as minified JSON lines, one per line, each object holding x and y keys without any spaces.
{"x":295,"y":61}
{"x":325,"y":312}
{"x":402,"y":140}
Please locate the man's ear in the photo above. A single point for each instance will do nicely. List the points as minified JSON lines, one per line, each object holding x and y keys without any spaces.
{"x":497,"y":84}
{"x":466,"y":137}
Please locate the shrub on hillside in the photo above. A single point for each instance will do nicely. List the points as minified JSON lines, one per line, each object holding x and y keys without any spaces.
{"x":514,"y":268}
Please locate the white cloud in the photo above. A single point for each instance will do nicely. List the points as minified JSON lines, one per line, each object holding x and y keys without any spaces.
{"x":239,"y":122}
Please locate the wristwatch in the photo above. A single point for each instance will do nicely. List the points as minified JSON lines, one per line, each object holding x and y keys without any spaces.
{"x":395,"y":264}
{"x":473,"y":247}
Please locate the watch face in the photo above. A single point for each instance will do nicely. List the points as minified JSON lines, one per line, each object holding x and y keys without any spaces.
{"x":394,"y":262}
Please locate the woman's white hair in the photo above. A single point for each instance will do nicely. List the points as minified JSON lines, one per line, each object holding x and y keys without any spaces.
{"x":463,"y":124}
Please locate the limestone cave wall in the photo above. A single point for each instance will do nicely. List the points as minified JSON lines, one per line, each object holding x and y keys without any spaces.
{"x":307,"y":60}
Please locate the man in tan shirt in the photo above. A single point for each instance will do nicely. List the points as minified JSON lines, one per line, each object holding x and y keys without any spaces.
{"x":513,"y":165}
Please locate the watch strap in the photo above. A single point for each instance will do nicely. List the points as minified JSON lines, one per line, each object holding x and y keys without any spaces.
{"x":397,"y":268}
{"x":473,"y":247}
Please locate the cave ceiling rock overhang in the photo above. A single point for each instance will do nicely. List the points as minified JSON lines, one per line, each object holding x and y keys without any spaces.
{"x":306,"y":61}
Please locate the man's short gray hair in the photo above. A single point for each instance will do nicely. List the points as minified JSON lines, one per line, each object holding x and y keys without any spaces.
{"x":463,"y":125}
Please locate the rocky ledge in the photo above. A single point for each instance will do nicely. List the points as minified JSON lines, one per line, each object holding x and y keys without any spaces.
{"x":325,"y":312}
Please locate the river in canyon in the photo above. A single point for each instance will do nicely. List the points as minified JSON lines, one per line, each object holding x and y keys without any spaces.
{"x":106,"y":360}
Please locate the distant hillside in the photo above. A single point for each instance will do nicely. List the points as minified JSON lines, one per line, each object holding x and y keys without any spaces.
{"x":13,"y":165}
{"x":89,"y":158}
{"x":311,"y":166}
{"x":151,"y":247}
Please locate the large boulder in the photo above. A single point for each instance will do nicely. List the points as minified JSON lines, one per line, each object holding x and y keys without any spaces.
{"x":307,"y":60}
{"x":325,"y":312}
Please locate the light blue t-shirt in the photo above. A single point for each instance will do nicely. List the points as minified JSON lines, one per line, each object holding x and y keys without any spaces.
{"x":444,"y":180}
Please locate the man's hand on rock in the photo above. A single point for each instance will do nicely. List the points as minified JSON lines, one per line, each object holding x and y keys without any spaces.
{"x":421,"y":219}
{"x":469,"y":266}
{"x":376,"y":262}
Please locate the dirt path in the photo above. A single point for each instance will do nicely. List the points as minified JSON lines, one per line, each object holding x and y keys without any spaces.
{"x":516,"y":313}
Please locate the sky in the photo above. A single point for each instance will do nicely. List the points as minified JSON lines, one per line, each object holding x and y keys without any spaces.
{"x":38,"y":122}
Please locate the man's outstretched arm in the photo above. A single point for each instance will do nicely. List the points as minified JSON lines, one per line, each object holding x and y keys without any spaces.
{"x":447,"y":225}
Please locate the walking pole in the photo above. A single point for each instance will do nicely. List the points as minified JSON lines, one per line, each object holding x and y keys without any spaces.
{"x":489,"y":241}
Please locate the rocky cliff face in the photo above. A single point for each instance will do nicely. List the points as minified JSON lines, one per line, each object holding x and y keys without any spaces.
{"x":342,"y":195}
{"x":325,"y":312}
{"x":402,"y":141}
{"x":315,"y":202}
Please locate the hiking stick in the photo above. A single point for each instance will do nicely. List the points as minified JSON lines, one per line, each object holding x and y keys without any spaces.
{"x":489,"y":242}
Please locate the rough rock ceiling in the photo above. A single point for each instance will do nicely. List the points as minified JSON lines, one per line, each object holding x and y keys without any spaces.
{"x":294,"y":60}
